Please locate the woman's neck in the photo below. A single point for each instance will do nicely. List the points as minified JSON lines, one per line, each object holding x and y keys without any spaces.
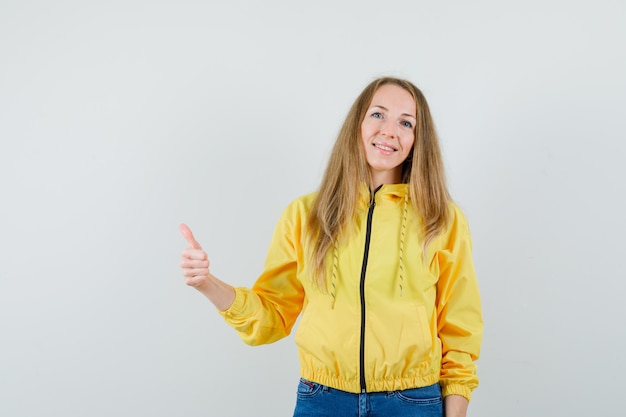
{"x":379,"y":178}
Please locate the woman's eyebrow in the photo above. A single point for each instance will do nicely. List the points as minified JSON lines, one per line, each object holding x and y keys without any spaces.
{"x":386,"y":109}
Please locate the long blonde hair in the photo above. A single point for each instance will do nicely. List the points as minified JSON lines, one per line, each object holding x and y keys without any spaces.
{"x":347,"y":170}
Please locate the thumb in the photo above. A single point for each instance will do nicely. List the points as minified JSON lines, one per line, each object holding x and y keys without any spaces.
{"x":186,"y":232}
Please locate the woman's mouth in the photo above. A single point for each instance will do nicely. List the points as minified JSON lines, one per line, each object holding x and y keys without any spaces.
{"x":384,"y":147}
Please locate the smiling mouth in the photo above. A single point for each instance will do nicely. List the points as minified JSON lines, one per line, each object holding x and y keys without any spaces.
{"x":383,"y":147}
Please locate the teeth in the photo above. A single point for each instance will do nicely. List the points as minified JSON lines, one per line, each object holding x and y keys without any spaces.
{"x":384,"y":148}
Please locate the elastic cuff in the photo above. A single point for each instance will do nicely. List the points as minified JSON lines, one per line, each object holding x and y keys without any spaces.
{"x":236,"y":307}
{"x":456,"y":389}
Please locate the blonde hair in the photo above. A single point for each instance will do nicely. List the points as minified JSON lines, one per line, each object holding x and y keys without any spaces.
{"x":347,"y":170}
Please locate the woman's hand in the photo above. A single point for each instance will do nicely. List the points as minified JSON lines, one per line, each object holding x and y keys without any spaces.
{"x":455,"y":406}
{"x":195,"y":266}
{"x":195,"y":262}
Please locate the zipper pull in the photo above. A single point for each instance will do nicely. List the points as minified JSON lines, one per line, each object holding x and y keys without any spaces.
{"x":373,"y":195}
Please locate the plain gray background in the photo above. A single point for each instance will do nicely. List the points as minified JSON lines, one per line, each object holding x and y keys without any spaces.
{"x":121,"y":119}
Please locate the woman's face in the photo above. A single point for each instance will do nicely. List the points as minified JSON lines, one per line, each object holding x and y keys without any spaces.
{"x":387,"y":132}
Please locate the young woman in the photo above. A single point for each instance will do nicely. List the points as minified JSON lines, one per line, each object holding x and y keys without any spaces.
{"x":378,"y":262}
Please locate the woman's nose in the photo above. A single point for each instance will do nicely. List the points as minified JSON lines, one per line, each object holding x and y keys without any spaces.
{"x":388,"y":128}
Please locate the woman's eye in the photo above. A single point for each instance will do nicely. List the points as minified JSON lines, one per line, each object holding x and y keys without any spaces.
{"x":407,"y":124}
{"x":377,"y":115}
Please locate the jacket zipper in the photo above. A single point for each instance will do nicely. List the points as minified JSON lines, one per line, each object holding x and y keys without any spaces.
{"x":370,"y":214}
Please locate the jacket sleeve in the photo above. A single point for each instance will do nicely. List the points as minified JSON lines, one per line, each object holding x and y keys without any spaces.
{"x":460,"y":324}
{"x":267,"y":312}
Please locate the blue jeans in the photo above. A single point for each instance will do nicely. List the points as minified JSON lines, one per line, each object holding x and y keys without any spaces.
{"x":315,"y":400}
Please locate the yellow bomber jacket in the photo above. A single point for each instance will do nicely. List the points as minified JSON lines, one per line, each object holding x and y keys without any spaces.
{"x":390,"y":319}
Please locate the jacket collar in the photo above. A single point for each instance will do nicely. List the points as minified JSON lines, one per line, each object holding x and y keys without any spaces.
{"x":387,"y":192}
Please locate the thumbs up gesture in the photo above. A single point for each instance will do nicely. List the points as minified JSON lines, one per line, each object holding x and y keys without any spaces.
{"x":195,"y":266}
{"x":195,"y":262}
